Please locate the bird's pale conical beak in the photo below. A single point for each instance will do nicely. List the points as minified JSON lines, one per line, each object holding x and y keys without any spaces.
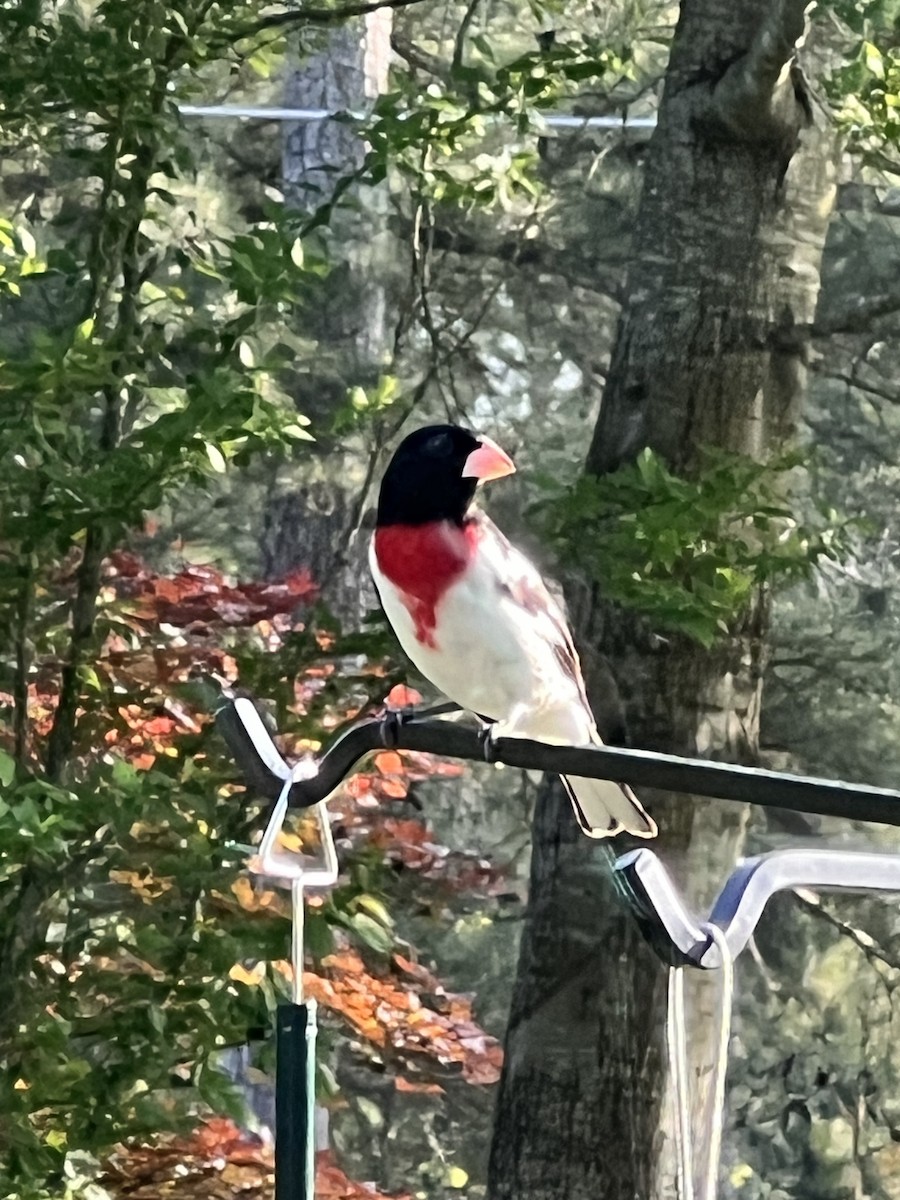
{"x":488,"y":462}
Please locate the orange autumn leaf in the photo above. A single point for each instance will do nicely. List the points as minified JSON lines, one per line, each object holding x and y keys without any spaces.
{"x":389,"y":762}
{"x":358,"y":785}
{"x":396,"y":789}
{"x":157,"y":726}
{"x":407,"y":1012}
{"x":253,"y":899}
{"x":402,"y":1084}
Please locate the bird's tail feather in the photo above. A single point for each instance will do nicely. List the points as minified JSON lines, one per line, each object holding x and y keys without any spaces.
{"x":603,"y":808}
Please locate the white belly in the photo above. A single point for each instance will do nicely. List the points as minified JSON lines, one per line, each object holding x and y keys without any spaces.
{"x":471,"y":662}
{"x":485,"y":661}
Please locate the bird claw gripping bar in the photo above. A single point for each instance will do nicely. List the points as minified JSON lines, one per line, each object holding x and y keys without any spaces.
{"x":677,"y":935}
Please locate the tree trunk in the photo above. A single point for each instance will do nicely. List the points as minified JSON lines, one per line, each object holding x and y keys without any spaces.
{"x":314,"y":525}
{"x":710,"y":351}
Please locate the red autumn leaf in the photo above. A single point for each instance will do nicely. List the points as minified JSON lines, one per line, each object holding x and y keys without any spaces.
{"x":157,"y":726}
{"x":124,"y":564}
{"x":202,"y":595}
{"x":333,"y":1184}
{"x":358,"y":785}
{"x":401,"y":696}
{"x":392,"y":830}
{"x":215,"y":1137}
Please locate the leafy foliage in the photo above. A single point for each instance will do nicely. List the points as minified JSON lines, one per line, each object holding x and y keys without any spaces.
{"x":408,"y":1016}
{"x":868,"y":90}
{"x":126,"y":370}
{"x":149,"y":949}
{"x":437,"y":138}
{"x":690,"y":553}
{"x":865,"y":89}
{"x":153,"y":336}
{"x":215,"y":1161}
{"x":148,"y":343}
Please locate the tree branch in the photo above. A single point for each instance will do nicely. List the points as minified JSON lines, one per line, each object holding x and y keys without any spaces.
{"x":23,"y":616}
{"x":892,"y":396}
{"x":858,"y":318}
{"x":459,"y":44}
{"x":417,"y":57}
{"x":123,"y":338}
{"x":321,"y":16}
{"x":760,"y":95}
{"x":873,"y":950}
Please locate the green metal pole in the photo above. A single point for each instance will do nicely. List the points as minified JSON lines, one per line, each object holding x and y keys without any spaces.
{"x":295,"y":1095}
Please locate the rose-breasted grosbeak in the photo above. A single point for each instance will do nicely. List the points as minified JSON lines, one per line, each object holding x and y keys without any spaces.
{"x":474,"y":615}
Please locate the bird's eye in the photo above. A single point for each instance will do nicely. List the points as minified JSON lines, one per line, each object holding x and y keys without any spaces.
{"x":440,"y":446}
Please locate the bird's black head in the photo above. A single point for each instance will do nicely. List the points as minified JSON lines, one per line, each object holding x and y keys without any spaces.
{"x":434,"y":473}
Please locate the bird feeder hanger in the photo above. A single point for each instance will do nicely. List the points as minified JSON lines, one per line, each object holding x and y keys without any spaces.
{"x":681,"y":939}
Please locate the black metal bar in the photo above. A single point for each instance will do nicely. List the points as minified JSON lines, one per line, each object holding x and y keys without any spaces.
{"x":295,"y":1064}
{"x":641,"y":768}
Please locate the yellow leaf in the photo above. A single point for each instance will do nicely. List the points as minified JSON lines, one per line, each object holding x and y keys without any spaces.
{"x":740,"y":1174}
{"x":457,"y":1177}
{"x":290,"y":841}
{"x":251,"y":978}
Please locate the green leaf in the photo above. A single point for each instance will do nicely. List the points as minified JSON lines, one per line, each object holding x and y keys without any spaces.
{"x":7,"y":768}
{"x":371,"y":933}
{"x":375,"y":907}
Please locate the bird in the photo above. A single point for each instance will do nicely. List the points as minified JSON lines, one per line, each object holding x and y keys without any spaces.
{"x":475,"y":616}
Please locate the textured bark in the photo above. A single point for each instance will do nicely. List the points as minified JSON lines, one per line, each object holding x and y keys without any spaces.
{"x":578,"y":1081}
{"x":710,"y":351}
{"x":319,"y":156}
{"x":316,"y":525}
{"x":342,"y":75}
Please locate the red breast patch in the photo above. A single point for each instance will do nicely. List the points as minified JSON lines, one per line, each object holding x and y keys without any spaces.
{"x":422,"y":561}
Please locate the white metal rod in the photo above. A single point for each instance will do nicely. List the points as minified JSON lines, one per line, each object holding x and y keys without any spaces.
{"x":297,"y":917}
{"x":553,"y":120}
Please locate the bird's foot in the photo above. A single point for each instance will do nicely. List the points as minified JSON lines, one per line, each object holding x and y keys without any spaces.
{"x":396,"y":715}
{"x":510,"y":728}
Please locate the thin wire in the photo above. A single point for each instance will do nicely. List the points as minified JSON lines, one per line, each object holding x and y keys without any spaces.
{"x":676,"y":1039}
{"x":553,"y":120}
{"x":726,"y":1005}
{"x":677,"y":1047}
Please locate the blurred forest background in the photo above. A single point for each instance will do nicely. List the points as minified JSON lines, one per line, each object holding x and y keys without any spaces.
{"x":213,"y":330}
